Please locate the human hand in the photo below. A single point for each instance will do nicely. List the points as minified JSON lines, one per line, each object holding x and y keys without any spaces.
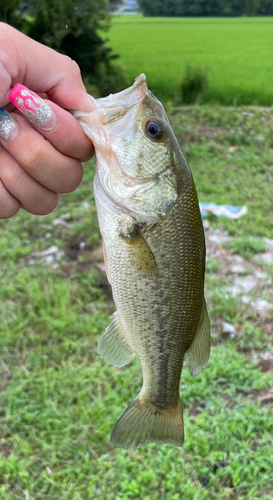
{"x":41,"y":151}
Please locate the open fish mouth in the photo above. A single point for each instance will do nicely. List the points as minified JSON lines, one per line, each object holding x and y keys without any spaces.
{"x":113,"y":107}
{"x":130,"y":96}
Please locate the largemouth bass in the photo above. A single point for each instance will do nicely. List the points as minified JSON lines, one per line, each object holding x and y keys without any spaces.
{"x":154,"y":252}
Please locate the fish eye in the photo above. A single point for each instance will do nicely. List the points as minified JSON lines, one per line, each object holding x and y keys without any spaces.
{"x":154,"y":129}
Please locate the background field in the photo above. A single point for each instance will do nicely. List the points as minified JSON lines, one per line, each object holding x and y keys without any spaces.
{"x":237,"y":51}
{"x":59,"y":400}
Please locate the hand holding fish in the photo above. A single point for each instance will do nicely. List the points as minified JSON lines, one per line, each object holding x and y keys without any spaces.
{"x":41,"y":144}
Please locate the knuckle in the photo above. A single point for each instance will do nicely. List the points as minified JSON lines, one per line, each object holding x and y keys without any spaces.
{"x":73,"y":179}
{"x":9,"y":206}
{"x":46,"y":205}
{"x":9,"y":211}
{"x":11,"y":176}
{"x":72,"y":143}
{"x":89,"y":154}
{"x":32,"y":157}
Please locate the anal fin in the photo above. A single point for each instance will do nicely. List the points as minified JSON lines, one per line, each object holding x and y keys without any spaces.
{"x":198,"y":353}
{"x":113,"y":346}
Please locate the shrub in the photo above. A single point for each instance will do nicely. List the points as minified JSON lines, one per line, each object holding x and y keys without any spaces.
{"x":194,"y":83}
{"x":97,"y":63}
{"x":111,"y":79}
{"x":108,"y":79}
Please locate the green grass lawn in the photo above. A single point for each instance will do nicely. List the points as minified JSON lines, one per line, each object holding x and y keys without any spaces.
{"x":59,"y":400}
{"x":237,"y":51}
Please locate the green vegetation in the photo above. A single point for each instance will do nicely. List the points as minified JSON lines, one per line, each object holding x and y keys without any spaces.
{"x":59,"y":400}
{"x":230,"y":153}
{"x":237,"y":53}
{"x":193,"y":85}
{"x":72,"y":28}
{"x":246,"y":246}
{"x":207,"y":8}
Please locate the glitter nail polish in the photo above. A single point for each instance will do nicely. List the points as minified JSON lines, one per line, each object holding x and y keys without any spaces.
{"x":8,"y":126}
{"x":34,"y":107}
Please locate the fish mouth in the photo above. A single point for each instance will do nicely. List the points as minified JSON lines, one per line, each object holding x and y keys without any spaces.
{"x":113,"y":107}
{"x":110,"y":109}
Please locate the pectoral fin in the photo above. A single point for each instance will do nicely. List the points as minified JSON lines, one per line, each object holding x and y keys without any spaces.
{"x":113,"y":346}
{"x":140,"y":254}
{"x":198,"y":353}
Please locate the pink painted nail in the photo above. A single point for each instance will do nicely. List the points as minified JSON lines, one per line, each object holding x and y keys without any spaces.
{"x":34,"y":107}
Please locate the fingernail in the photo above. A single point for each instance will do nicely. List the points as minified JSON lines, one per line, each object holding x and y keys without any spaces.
{"x":34,"y":107}
{"x":92,"y":99}
{"x":8,"y":126}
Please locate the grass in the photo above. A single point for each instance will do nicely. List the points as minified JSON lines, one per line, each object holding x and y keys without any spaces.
{"x":229,"y":150}
{"x":236,"y":51}
{"x":59,"y":400}
{"x":246,"y":246}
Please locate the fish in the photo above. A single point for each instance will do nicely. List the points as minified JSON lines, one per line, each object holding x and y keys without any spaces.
{"x":154,"y":252}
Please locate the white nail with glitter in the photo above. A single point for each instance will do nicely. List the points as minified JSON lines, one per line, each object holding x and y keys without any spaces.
{"x":8,"y":126}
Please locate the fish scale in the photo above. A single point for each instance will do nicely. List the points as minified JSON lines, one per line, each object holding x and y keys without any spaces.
{"x":155,"y":259}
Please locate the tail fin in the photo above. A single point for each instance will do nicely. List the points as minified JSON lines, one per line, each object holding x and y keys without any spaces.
{"x":144,"y":423}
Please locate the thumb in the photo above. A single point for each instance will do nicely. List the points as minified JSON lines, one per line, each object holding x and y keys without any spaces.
{"x":43,"y":70}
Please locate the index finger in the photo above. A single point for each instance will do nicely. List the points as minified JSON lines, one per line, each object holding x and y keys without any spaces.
{"x":54,"y":123}
{"x":67,"y":135}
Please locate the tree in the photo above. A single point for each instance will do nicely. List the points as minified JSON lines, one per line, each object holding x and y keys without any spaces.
{"x":199,"y":7}
{"x":55,"y":19}
{"x":265,"y":8}
{"x":232,"y":7}
{"x":10,"y":12}
{"x":206,"y":7}
{"x":72,"y":27}
{"x":180,"y":7}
